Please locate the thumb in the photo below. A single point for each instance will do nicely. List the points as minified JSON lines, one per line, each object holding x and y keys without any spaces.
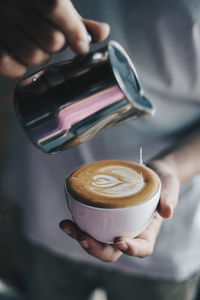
{"x":169,"y":195}
{"x":98,"y":30}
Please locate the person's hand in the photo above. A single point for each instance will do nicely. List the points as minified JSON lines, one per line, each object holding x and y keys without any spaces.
{"x":30,"y":31}
{"x":143,"y":244}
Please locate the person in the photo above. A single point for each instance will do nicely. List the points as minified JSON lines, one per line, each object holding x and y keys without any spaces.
{"x":31,"y":31}
{"x":162,"y":40}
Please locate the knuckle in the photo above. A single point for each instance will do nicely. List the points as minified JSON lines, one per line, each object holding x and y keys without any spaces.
{"x":149,"y":252}
{"x":51,"y":6}
{"x":36,"y":58}
{"x":3,"y":60}
{"x":78,"y":32}
{"x":56,"y":41}
{"x":18,"y":72}
{"x":11,"y":68}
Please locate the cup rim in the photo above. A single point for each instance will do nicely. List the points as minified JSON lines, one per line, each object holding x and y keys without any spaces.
{"x":117,"y":208}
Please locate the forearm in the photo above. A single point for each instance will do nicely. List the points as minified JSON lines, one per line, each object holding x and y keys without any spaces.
{"x":185,"y":160}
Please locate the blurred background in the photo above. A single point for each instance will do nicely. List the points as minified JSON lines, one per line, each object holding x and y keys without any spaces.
{"x":11,"y":278}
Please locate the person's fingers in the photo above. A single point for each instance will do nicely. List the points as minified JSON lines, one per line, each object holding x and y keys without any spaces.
{"x":9,"y":66}
{"x":41,"y":32}
{"x":142,"y":245}
{"x":101,"y":251}
{"x":170,"y":186}
{"x":24,"y":49}
{"x":35,"y":30}
{"x":169,"y":196}
{"x":99,"y":31}
{"x":63,"y":14}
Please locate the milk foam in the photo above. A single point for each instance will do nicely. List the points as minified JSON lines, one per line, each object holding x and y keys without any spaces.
{"x":112,"y":184}
{"x":116,"y":181}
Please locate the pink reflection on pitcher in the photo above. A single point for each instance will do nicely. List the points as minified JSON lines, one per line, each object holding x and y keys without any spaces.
{"x":80,"y":110}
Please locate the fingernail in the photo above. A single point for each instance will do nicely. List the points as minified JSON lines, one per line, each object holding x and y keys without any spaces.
{"x":122,"y":246}
{"x":107,"y":26}
{"x":170,"y":210}
{"x":84,"y":244}
{"x":83,"y":47}
{"x":89,"y":38}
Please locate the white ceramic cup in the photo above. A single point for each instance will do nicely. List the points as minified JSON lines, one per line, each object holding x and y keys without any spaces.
{"x":105,"y":224}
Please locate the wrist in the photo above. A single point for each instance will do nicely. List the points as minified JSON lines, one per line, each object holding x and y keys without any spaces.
{"x":168,"y":164}
{"x":171,"y":163}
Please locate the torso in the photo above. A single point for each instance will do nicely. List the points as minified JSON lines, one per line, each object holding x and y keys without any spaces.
{"x":164,"y":44}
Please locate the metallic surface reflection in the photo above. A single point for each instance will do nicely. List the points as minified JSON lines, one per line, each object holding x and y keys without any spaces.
{"x":68,"y":103}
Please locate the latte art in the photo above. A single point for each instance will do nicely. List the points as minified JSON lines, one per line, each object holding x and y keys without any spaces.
{"x":112,"y":184}
{"x":117,"y":181}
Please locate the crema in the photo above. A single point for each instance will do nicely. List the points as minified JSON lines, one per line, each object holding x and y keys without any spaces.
{"x":112,"y":184}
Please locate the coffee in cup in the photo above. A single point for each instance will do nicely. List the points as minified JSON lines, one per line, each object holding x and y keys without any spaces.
{"x":111,"y":198}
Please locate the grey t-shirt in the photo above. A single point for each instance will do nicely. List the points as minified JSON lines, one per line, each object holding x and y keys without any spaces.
{"x":163,"y":40}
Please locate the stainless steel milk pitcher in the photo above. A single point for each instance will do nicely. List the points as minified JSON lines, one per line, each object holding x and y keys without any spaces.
{"x":68,"y":103}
